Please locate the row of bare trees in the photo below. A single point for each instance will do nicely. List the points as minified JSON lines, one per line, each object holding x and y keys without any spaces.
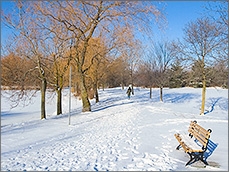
{"x":98,"y":40}
{"x":56,"y":34}
{"x":203,"y":52}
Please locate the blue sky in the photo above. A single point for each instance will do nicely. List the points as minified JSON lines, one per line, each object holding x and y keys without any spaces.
{"x":178,"y":14}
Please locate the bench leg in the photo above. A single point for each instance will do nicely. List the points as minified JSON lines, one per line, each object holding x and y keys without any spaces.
{"x":192,"y":159}
{"x":178,"y":147}
{"x":196,"y":156}
{"x":204,"y":161}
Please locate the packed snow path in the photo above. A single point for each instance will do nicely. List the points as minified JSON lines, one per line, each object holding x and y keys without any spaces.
{"x":118,"y":135}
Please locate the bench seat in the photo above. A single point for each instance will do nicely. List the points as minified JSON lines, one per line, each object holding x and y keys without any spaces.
{"x":188,"y":143}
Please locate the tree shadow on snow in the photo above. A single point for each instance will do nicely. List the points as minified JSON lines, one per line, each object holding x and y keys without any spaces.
{"x":110,"y":102}
{"x":179,"y":97}
{"x":223,"y":105}
{"x":9,"y":114}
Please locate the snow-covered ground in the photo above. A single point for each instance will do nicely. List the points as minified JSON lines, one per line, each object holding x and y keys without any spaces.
{"x":118,"y":135}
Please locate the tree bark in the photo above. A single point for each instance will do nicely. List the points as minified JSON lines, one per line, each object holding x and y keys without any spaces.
{"x":150,"y":92}
{"x":161,"y":93}
{"x":59,"y":100}
{"x":132,"y":81}
{"x":203,"y":89}
{"x":96,"y":93}
{"x":43,"y":91}
{"x":59,"y":84}
{"x":84,"y":94}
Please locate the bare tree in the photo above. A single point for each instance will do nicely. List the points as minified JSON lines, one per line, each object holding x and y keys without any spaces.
{"x":84,"y":18}
{"x":162,"y":58}
{"x":29,"y":42}
{"x":218,"y":12}
{"x":203,"y":40}
{"x":59,"y":54}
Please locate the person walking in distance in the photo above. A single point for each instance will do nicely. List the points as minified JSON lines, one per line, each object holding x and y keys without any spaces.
{"x":128,"y":92}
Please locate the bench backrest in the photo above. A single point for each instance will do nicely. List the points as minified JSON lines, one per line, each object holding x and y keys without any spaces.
{"x":210,"y":148}
{"x":201,"y":134}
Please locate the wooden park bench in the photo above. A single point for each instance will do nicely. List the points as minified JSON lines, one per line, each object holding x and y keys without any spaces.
{"x":197,"y":144}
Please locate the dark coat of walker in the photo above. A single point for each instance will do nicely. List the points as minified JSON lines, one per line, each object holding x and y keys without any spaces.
{"x":128,"y":92}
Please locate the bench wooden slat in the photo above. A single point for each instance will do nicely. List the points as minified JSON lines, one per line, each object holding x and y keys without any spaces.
{"x":202,"y":139}
{"x":199,"y":133}
{"x":185,"y":147}
{"x":198,"y":128}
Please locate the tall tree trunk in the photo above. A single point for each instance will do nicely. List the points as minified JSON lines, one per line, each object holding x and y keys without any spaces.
{"x":132,"y":89}
{"x":84,"y":94}
{"x":103,"y":85}
{"x":43,"y":91}
{"x":203,"y":97}
{"x":95,"y":85}
{"x":76,"y":89}
{"x":150,"y":92}
{"x":161,"y":93}
{"x":59,"y":100}
{"x":122,"y":82}
{"x":59,"y":94}
{"x":203,"y":89}
{"x":132,"y":82}
{"x":96,"y":93}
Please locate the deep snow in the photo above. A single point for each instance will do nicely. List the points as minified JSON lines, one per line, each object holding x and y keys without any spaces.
{"x":118,"y":135}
